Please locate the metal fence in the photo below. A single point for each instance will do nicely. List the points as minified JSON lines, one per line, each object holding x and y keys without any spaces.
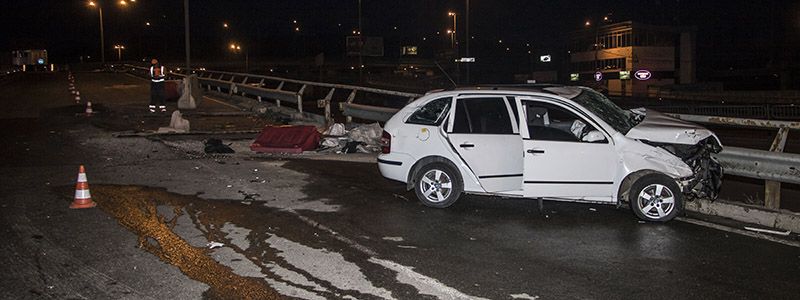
{"x":765,"y":111}
{"x":374,"y":104}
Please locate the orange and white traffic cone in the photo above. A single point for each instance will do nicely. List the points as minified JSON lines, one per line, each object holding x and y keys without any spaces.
{"x":89,"y":110}
{"x":83,"y":198}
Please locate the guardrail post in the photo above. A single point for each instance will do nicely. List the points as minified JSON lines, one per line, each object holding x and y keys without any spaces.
{"x":326,"y":103}
{"x":244,"y":81}
{"x":300,"y":98}
{"x":280,"y":86}
{"x":350,"y":99}
{"x":772,"y":189}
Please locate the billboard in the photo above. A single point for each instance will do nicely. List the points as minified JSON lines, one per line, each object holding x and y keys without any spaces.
{"x":366,"y":45}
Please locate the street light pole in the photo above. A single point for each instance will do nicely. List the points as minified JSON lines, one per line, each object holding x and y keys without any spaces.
{"x":119,"y":51}
{"x":360,"y":46}
{"x":469,"y":37}
{"x":188,"y":46}
{"x":102,"y":37}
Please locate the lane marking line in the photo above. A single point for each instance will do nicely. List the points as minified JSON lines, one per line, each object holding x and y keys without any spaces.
{"x":738,"y":231}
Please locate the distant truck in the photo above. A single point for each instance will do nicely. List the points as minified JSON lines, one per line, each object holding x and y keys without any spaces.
{"x":30,"y":60}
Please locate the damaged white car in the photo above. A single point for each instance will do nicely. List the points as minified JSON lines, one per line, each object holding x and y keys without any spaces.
{"x":548,"y":142}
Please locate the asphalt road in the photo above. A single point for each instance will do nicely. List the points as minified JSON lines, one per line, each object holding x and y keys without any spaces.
{"x":317,"y":227}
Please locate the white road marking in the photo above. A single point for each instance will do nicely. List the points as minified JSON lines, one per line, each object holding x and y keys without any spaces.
{"x":424,"y":284}
{"x":326,"y":265}
{"x":524,"y":296}
{"x":738,"y":231}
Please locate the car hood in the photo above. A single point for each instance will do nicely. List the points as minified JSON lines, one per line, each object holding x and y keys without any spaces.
{"x":660,"y":128}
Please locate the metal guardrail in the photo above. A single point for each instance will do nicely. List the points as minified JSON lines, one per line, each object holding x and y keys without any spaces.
{"x":765,"y":111}
{"x":761,"y":164}
{"x":277,"y":89}
{"x":773,"y":166}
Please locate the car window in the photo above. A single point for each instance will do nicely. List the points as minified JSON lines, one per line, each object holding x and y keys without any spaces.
{"x":548,"y":122}
{"x":432,"y":113}
{"x":482,"y":116}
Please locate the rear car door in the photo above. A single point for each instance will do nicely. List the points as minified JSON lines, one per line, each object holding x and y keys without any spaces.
{"x":558,"y":163}
{"x":484,"y":132}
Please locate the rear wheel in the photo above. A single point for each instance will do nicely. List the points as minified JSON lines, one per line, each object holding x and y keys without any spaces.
{"x":656,"y":198}
{"x":438,"y":185}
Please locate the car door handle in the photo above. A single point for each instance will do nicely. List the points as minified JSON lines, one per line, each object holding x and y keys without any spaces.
{"x":467,"y":145}
{"x":535,"y":151}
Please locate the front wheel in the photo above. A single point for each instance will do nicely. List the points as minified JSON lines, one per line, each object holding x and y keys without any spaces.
{"x":656,"y":198}
{"x":438,"y":185}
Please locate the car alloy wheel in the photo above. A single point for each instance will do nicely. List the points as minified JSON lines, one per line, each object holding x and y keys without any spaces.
{"x":436,"y":185}
{"x":656,"y":201}
{"x":656,"y":198}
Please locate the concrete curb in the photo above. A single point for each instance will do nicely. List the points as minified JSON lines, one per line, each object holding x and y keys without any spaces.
{"x":780,"y":219}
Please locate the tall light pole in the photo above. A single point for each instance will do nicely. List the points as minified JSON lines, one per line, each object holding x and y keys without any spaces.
{"x":102,"y":35}
{"x":237,"y":48}
{"x":469,"y":37}
{"x":119,"y":49}
{"x":188,"y":46}
{"x":454,"y":40}
{"x":360,"y":46}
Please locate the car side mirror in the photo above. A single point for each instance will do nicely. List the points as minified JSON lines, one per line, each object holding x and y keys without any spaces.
{"x":593,"y":136}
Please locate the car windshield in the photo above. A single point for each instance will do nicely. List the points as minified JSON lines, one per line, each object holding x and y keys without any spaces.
{"x":622,"y":120}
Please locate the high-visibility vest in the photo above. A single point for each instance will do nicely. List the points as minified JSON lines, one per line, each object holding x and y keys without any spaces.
{"x":157,"y":74}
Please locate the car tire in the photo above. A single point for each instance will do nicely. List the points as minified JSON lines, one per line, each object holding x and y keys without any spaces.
{"x":656,"y":198}
{"x":438,"y":185}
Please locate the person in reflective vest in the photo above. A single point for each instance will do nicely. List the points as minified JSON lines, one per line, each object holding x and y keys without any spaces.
{"x":157,"y":75}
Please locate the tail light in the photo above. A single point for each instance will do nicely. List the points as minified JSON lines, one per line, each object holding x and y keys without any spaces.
{"x":386,"y":142}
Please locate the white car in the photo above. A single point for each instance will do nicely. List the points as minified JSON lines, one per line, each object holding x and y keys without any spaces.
{"x":548,"y":142}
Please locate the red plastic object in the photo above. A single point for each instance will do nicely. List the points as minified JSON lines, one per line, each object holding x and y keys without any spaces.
{"x":286,"y":139}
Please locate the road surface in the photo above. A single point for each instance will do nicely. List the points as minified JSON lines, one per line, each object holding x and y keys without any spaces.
{"x":313,"y":226}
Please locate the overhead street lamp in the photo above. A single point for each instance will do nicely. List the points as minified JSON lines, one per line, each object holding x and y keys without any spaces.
{"x":93,"y":3}
{"x":119,"y":49}
{"x":237,"y":48}
{"x":454,"y":40}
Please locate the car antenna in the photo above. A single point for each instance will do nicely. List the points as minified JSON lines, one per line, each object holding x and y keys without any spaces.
{"x":445,"y":74}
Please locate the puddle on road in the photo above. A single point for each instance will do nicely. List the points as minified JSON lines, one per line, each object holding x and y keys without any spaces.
{"x":135,"y":208}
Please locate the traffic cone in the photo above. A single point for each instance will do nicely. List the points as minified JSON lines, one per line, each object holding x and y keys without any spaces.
{"x":83,"y":199}
{"x":77,"y":97}
{"x":89,"y":111}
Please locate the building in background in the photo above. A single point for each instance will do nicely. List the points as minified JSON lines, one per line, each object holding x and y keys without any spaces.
{"x":627,"y":58}
{"x":25,"y":60}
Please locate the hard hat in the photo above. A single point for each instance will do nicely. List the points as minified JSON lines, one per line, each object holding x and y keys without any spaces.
{"x":154,"y":61}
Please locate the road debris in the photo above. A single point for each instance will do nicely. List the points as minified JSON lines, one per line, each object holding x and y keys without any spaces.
{"x":216,"y":146}
{"x":761,"y":230}
{"x":400,"y":197}
{"x":249,"y":196}
{"x":214,"y":245}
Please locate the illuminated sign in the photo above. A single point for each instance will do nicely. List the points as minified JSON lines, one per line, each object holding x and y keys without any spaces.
{"x":409,"y":50}
{"x":574,"y":77}
{"x":598,"y":76}
{"x":625,"y":75}
{"x":545,"y":58}
{"x":642,"y":74}
{"x":466,"y":60}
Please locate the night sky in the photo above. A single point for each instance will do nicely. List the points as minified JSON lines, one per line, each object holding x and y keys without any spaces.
{"x":69,"y":29}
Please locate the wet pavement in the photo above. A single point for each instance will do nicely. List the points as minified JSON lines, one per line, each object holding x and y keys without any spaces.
{"x":318,"y":227}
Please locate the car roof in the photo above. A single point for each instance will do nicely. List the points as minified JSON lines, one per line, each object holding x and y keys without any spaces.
{"x":565,"y":91}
